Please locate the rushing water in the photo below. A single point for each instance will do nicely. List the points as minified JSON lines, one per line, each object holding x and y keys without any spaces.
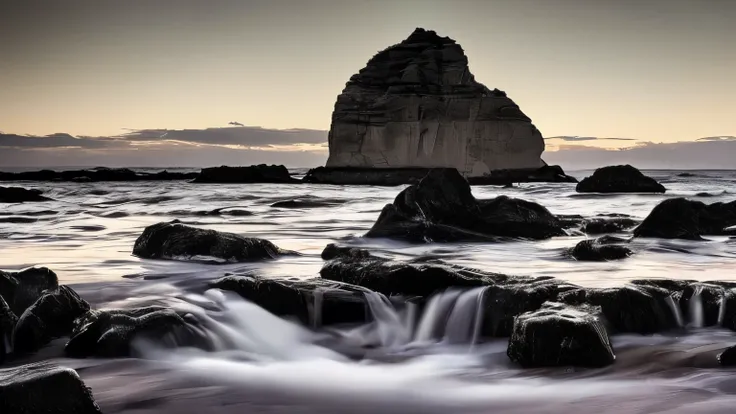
{"x":261,"y":363}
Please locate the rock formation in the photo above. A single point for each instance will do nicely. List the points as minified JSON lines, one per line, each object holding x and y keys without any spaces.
{"x":245,"y":175}
{"x":619,"y":179}
{"x":20,"y":195}
{"x":679,"y":218}
{"x":416,"y":104}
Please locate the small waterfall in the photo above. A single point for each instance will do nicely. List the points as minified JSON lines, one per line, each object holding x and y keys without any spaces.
{"x":390,"y":327}
{"x":435,"y":315}
{"x":317,"y":308}
{"x":697,"y":318}
{"x":675,"y":311}
{"x":465,"y":319}
{"x":8,"y":344}
{"x":722,"y":309}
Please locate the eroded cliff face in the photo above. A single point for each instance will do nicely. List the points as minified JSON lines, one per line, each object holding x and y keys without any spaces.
{"x":416,"y":104}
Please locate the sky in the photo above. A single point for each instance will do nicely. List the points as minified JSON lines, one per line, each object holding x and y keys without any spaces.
{"x":647,"y":72}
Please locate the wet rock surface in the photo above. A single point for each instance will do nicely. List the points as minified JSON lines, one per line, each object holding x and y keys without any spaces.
{"x":599,"y":250}
{"x":176,"y":241}
{"x":21,"y":289}
{"x":20,"y":195}
{"x":44,"y":389}
{"x":560,"y":335}
{"x":619,"y":179}
{"x":680,"y":218}
{"x":245,"y":175}
{"x":608,"y":225}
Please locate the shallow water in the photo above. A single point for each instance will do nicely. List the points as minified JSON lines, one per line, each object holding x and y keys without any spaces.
{"x":274,"y":366}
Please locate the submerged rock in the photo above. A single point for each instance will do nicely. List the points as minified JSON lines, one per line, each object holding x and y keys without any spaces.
{"x":20,"y":195}
{"x":416,"y":104}
{"x":44,"y":389}
{"x":560,"y":335}
{"x":51,"y":316}
{"x":619,"y":179}
{"x":608,"y":225}
{"x":245,"y":175}
{"x":441,"y":208}
{"x":593,"y":250}
{"x":21,"y":289}
{"x":176,"y":241}
{"x":314,"y":302}
{"x":333,"y":251}
{"x":679,"y":218}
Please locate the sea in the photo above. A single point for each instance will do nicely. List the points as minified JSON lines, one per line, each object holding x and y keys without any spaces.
{"x":274,"y":365}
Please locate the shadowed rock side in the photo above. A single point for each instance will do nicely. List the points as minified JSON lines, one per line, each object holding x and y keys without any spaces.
{"x":95,"y":175}
{"x":679,"y":218}
{"x":20,"y":195}
{"x":245,"y":175}
{"x":416,"y":104}
{"x":619,"y":179}
{"x":441,"y":208}
{"x":44,"y":389}
{"x":21,"y":289}
{"x":7,"y":322}
{"x":559,"y":335}
{"x":599,"y":250}
{"x":176,"y":241}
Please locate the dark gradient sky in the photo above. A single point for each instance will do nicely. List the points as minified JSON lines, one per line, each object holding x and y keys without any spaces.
{"x":654,"y":70}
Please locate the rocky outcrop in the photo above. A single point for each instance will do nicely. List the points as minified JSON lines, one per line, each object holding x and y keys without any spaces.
{"x":619,"y":179}
{"x":176,"y":241}
{"x":416,"y":104}
{"x":20,"y":195}
{"x":245,"y":175}
{"x":599,"y":250}
{"x":560,"y":335}
{"x":21,"y":289}
{"x":441,"y":208}
{"x":679,"y":218}
{"x":44,"y":389}
{"x":99,"y":174}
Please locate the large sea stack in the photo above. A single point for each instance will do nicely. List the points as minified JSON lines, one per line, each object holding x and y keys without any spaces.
{"x":417,"y":105}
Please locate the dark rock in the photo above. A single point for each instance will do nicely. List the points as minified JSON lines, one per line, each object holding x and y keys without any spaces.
{"x":613,"y":225}
{"x":679,"y":218}
{"x":245,"y":175}
{"x":20,"y":195}
{"x":568,"y":221}
{"x":441,"y":208}
{"x":51,"y":316}
{"x":545,"y":174}
{"x":44,"y":389}
{"x":595,"y":251}
{"x":99,"y":174}
{"x":727,"y":358}
{"x":7,"y":323}
{"x":560,"y":335}
{"x":314,"y":302}
{"x":703,"y":299}
{"x":619,"y":179}
{"x":305,"y":203}
{"x":687,"y":174}
{"x":365,"y":176}
{"x":21,"y":289}
{"x":671,"y":285}
{"x":111,"y":332}
{"x":333,"y":251}
{"x":176,"y":241}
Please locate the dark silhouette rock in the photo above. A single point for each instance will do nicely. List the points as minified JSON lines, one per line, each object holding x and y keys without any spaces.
{"x":306,"y":203}
{"x":245,"y":175}
{"x":98,"y":174}
{"x":560,"y":335}
{"x":545,"y":174}
{"x":44,"y":389}
{"x":21,"y":289}
{"x":441,"y":208}
{"x":176,"y":241}
{"x":7,"y":323}
{"x":51,"y":316}
{"x":727,"y":358}
{"x":111,"y":332}
{"x":314,"y":302}
{"x":595,"y":251}
{"x":612,"y":225}
{"x":619,"y":179}
{"x":20,"y":195}
{"x":333,"y":251}
{"x":679,"y":218}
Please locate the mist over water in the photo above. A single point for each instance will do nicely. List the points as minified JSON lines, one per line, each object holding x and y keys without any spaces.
{"x":404,"y":360}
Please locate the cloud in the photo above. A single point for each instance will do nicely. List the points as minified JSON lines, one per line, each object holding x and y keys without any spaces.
{"x":718,"y":138}
{"x":574,"y":138}
{"x":235,"y":123}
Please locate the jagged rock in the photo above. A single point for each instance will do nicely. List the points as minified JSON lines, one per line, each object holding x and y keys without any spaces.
{"x":7,"y":322}
{"x":560,"y":335}
{"x":314,"y":302}
{"x":619,"y":179}
{"x":612,"y":225}
{"x":44,"y":389}
{"x":98,"y":174}
{"x":111,"y":332}
{"x":416,"y":104}
{"x":333,"y":251}
{"x":441,"y":208}
{"x":594,"y":250}
{"x":679,"y":218}
{"x":21,"y":289}
{"x":20,"y":195}
{"x":727,"y":358}
{"x":176,"y":241}
{"x":51,"y":316}
{"x":245,"y":175}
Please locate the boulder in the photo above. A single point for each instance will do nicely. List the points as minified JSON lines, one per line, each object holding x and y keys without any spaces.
{"x":608,"y":225}
{"x":245,"y":175}
{"x":593,"y":250}
{"x":20,"y":195}
{"x":560,"y":335}
{"x":21,"y":289}
{"x":111,"y":332}
{"x":44,"y":389}
{"x":441,"y":208}
{"x":417,"y":105}
{"x":333,"y":251}
{"x":679,"y":218}
{"x":619,"y":179}
{"x":727,"y":358}
{"x":314,"y":302}
{"x":176,"y":241}
{"x":51,"y":316}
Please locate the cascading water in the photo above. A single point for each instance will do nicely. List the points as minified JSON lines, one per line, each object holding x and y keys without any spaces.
{"x":697,"y":318}
{"x":676,"y":312}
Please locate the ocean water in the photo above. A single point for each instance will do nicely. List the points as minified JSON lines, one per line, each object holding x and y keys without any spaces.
{"x":86,"y":236}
